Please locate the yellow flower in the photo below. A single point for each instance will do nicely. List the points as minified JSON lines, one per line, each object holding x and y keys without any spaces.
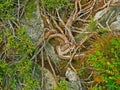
{"x":107,"y":63}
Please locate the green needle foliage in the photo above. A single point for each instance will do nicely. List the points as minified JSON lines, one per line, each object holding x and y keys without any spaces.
{"x":19,"y":72}
{"x":92,"y":26}
{"x":6,"y":9}
{"x":20,"y":42}
{"x":18,"y":76}
{"x":53,"y":4}
{"x":63,"y":85}
{"x":107,"y":64}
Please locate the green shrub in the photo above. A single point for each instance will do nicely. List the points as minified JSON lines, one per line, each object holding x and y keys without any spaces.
{"x":6,"y":9}
{"x":19,"y":72}
{"x":30,"y":12}
{"x":63,"y":85}
{"x":20,"y":42}
{"x":92,"y":25}
{"x":53,"y":4}
{"x":18,"y":75}
{"x":107,"y":66}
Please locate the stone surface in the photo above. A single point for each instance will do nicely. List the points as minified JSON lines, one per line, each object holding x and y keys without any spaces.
{"x":74,"y":85}
{"x":116,"y":24}
{"x":100,"y":14}
{"x":107,"y":16}
{"x":73,"y":80}
{"x":49,"y":81}
{"x":34,"y":27}
{"x":71,"y":75}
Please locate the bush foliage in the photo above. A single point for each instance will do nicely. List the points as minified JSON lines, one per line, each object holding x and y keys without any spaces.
{"x":17,"y":72}
{"x":106,"y":61}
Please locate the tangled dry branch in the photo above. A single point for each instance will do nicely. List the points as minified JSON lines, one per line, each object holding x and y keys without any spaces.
{"x":56,"y":27}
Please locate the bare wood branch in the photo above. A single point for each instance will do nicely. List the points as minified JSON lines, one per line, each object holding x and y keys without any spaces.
{"x":107,"y":22}
{"x":38,"y":51}
{"x":57,"y":26}
{"x":67,"y":28}
{"x":42,"y":61}
{"x":53,"y":71}
{"x":23,"y":8}
{"x":79,"y":45}
{"x":72,"y":16}
{"x":18,"y":11}
{"x":11,"y":26}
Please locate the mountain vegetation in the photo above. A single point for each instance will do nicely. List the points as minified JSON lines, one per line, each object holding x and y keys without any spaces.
{"x":59,"y":44}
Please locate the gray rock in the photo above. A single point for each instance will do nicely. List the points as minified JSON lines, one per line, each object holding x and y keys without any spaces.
{"x":107,"y":16}
{"x":74,"y":85}
{"x":49,"y":81}
{"x":34,"y":27}
{"x":115,"y":26}
{"x":74,"y":81}
{"x":71,"y":75}
{"x":100,"y":14}
{"x":118,"y":17}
